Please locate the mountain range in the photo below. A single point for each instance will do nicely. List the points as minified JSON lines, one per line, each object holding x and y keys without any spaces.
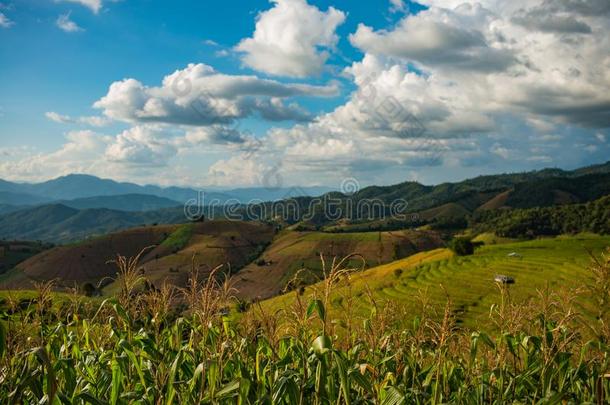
{"x":77,"y":207}
{"x":85,"y":191}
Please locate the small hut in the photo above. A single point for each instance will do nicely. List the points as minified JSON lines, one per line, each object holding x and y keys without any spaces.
{"x":502,"y":279}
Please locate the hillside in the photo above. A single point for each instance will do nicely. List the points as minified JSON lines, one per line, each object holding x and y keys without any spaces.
{"x":448,"y":201}
{"x":85,"y":261}
{"x":14,"y":252}
{"x":231,"y":244}
{"x":123,"y":202}
{"x":21,"y":199}
{"x":469,"y":281}
{"x":446,"y":206}
{"x":262,"y":262}
{"x":172,"y":249}
{"x":295,"y":252}
{"x":593,"y":216}
{"x":58,"y":223}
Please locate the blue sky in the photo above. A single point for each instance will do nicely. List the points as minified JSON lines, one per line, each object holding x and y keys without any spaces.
{"x":46,"y":68}
{"x":488,"y":104}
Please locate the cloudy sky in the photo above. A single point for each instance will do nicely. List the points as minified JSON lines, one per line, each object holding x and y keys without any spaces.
{"x":302,"y":92}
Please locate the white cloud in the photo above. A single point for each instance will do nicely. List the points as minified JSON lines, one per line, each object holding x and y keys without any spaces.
{"x":80,"y":154}
{"x":501,"y":151}
{"x":292,"y":39}
{"x":215,"y":135}
{"x":64,"y":23}
{"x":5,"y":22}
{"x":94,"y":121}
{"x":141,"y":145}
{"x":93,"y":5}
{"x":457,"y":88}
{"x":436,"y":38}
{"x":198,"y":95}
{"x":55,"y":117}
{"x":558,"y":74}
{"x":237,"y":170}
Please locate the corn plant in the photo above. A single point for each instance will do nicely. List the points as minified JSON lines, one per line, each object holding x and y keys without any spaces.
{"x":141,"y":348}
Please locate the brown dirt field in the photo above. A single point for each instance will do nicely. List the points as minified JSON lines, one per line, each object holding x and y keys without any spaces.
{"x":229,"y":243}
{"x":497,"y":202}
{"x":87,"y":261}
{"x":213,"y":243}
{"x":446,"y":210}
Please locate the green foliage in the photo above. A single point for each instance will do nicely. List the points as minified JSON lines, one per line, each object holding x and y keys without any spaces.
{"x":118,"y":355}
{"x":567,"y":219}
{"x":463,"y":246}
{"x":180,"y":238}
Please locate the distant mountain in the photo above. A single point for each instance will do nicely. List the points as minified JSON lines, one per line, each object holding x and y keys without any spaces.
{"x":245,"y":195}
{"x":455,"y":201}
{"x":124,"y":202}
{"x":79,"y":186}
{"x":16,"y":199}
{"x":447,"y":203}
{"x":58,"y":223}
{"x":7,"y":208}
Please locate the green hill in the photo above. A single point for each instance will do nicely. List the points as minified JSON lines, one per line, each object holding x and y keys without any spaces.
{"x":469,"y":281}
{"x":58,"y":223}
{"x":431,"y":204}
{"x":124,"y":202}
{"x":593,"y":216}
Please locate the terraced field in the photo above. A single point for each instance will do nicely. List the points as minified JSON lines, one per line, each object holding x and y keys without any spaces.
{"x":469,"y":281}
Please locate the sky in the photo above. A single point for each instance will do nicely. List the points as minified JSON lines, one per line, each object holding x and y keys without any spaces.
{"x":301,"y":92}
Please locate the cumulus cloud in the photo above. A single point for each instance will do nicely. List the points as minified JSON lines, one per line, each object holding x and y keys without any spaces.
{"x":5,"y":22}
{"x":464,"y":85}
{"x":292,"y":39}
{"x":93,"y":5}
{"x":459,"y":87}
{"x":523,"y":57}
{"x":64,"y":23}
{"x":540,"y":19}
{"x":198,"y":95}
{"x":435,"y":38}
{"x":217,"y":135}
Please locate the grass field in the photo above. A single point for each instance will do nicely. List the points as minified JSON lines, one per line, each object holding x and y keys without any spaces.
{"x":138,"y":347}
{"x":469,"y":281}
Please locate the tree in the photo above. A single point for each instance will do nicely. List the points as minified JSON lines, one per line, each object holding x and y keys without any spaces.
{"x":463,"y":246}
{"x":89,"y":289}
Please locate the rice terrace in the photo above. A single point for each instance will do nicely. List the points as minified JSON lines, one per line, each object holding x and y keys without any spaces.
{"x":305,"y":202}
